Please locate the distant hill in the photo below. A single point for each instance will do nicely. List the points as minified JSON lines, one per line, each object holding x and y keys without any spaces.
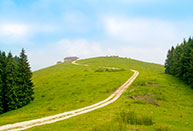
{"x":155,"y":101}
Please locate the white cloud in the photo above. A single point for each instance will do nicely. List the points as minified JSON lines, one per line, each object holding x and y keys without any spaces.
{"x":14,"y":31}
{"x":139,"y":31}
{"x":21,"y":34}
{"x":80,"y":47}
{"x":155,"y":55}
{"x":84,"y":48}
{"x":66,"y":47}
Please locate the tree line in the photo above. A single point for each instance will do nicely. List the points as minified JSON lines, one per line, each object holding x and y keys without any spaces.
{"x":16,"y":87}
{"x":179,"y":61}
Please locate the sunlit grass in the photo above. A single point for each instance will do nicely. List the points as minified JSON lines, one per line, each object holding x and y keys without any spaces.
{"x":172,"y":111}
{"x":66,"y":87}
{"x":161,"y":99}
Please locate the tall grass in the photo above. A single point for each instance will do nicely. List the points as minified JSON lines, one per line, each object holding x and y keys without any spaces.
{"x":163,"y":128}
{"x":132,"y":118}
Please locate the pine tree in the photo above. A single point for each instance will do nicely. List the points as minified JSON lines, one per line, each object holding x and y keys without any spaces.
{"x":2,"y":75}
{"x":16,"y":87}
{"x":26,"y":86}
{"x":178,"y":57}
{"x":188,"y":62}
{"x":169,"y":61}
{"x":1,"y":92}
{"x":179,"y":61}
{"x":10,"y":100}
{"x":190,"y":79}
{"x":1,"y":84}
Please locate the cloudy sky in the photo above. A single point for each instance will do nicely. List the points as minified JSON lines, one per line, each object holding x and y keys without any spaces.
{"x":50,"y":30}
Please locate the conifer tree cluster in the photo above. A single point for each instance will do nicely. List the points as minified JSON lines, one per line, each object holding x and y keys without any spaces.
{"x":16,"y":87}
{"x":179,"y":61}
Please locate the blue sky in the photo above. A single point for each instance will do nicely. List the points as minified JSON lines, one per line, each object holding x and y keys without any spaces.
{"x":50,"y":30}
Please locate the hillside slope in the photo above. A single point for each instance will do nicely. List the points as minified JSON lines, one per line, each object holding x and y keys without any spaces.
{"x":66,"y":87}
{"x":167,"y":101}
{"x":171,"y":108}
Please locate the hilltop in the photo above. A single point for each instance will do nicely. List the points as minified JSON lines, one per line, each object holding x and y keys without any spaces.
{"x":155,"y":100}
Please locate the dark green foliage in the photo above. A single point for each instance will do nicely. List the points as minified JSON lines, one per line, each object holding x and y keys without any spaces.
{"x":1,"y":90}
{"x":179,"y":61}
{"x":15,"y":82}
{"x":1,"y":82}
{"x":10,"y":91}
{"x":24,"y":80}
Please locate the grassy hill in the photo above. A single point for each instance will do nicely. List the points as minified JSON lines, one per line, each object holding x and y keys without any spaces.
{"x":155,"y":101}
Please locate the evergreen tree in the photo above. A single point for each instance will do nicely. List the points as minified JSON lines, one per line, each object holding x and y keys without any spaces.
{"x":169,"y":60}
{"x":2,"y":80}
{"x":1,"y":84}
{"x":24,"y":80}
{"x":187,"y":59}
{"x":1,"y":92}
{"x":10,"y":100}
{"x":16,"y":59}
{"x":179,"y":61}
{"x":16,"y":87}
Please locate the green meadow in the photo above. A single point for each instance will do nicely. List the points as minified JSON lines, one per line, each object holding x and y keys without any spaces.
{"x":66,"y":87}
{"x":154,"y":102}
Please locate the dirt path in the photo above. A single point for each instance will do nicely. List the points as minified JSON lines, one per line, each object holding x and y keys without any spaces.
{"x":62,"y":116}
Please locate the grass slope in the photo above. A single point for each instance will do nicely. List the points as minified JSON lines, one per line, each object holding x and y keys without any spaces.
{"x":66,"y":87}
{"x":163,"y":98}
{"x":155,"y":101}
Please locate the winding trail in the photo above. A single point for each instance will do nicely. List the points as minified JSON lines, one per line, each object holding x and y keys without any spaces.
{"x":62,"y":116}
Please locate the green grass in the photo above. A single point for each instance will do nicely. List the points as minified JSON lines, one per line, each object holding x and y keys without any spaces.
{"x":130,"y":117}
{"x":66,"y":87}
{"x":154,"y":97}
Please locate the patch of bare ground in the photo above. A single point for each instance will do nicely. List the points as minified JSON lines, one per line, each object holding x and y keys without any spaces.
{"x":154,"y":85}
{"x":147,"y":98}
